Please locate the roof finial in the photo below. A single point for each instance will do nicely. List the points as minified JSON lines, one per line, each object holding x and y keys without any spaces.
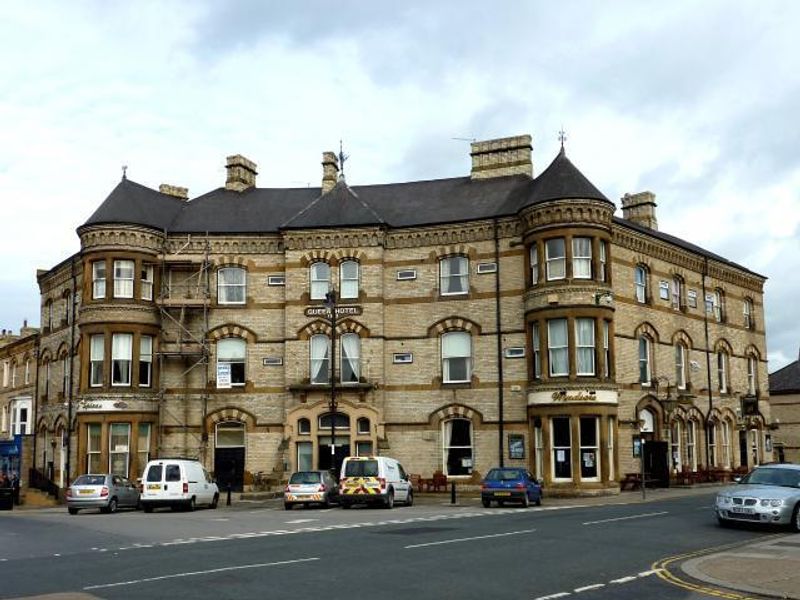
{"x":342,"y":157}
{"x":124,"y":172}
{"x":562,"y":137}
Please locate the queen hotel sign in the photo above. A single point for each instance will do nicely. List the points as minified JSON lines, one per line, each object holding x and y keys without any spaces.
{"x":341,"y":311}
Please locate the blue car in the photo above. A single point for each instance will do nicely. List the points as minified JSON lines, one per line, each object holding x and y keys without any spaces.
{"x":510,"y":484}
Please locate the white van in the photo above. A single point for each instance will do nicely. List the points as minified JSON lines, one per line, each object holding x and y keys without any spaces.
{"x":177,"y":483}
{"x":374,"y":480}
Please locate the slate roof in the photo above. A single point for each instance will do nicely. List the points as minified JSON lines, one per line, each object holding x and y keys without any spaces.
{"x":408,"y":204}
{"x":785,"y":380}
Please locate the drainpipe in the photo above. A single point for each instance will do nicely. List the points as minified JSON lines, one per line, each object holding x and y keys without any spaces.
{"x":708,"y":361}
{"x":70,"y":389}
{"x":498,"y":324}
{"x":35,"y":399}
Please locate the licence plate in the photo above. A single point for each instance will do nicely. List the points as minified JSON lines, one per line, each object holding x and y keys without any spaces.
{"x":502,"y":493}
{"x":153,"y":486}
{"x":86,"y":492}
{"x":742,"y":511}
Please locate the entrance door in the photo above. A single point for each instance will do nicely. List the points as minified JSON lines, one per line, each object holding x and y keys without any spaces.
{"x":229,"y":468}
{"x":656,"y":461}
{"x":743,"y":448}
{"x":324,"y":452}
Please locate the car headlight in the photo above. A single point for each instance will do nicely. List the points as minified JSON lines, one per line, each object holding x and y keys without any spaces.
{"x":723,"y":499}
{"x":773,"y":502}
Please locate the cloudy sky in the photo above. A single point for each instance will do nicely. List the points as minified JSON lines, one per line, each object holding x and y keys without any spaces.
{"x":696,"y":101}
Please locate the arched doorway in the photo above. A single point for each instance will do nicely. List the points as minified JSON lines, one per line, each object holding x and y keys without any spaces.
{"x":229,"y":455}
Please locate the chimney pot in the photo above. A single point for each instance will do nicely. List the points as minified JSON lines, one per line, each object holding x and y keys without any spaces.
{"x":174,"y":190}
{"x":241,"y":173}
{"x":330,"y":171}
{"x":640,"y":208}
{"x":502,"y":157}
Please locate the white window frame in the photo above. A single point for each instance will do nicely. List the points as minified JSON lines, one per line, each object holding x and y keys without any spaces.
{"x":315,"y":346}
{"x":97,"y":355}
{"x":719,"y":300}
{"x":227,"y":291}
{"x":557,"y":449}
{"x":747,"y":310}
{"x":645,"y":344}
{"x":553,"y":349}
{"x":147,"y":282}
{"x":585,"y":348}
{"x":610,"y":442}
{"x":449,"y":355}
{"x":680,"y":366}
{"x":555,"y":263}
{"x":534,"y":254}
{"x":20,"y":426}
{"x":118,"y":356}
{"x":124,"y":275}
{"x":447,"y":447}
{"x":722,"y":371}
{"x":603,"y":275}
{"x":691,"y":441}
{"x":752,"y":378}
{"x":228,"y":352}
{"x":319,"y":276}
{"x":537,"y":350}
{"x":582,"y":258}
{"x":27,"y":371}
{"x":726,"y":443}
{"x":93,"y":454}
{"x":454,"y":275}
{"x":606,"y":349}
{"x":349,"y":358}
{"x":711,"y":436}
{"x":349,"y":282}
{"x":146,"y":360}
{"x":676,"y":446}
{"x":99,"y":280}
{"x":677,"y":292}
{"x":538,"y":445}
{"x":640,"y":283}
{"x":754,"y":446}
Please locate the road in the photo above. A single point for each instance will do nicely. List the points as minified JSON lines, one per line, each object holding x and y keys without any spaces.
{"x":430,"y":550}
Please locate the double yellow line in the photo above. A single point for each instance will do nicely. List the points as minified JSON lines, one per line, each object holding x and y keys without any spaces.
{"x":661,"y":567}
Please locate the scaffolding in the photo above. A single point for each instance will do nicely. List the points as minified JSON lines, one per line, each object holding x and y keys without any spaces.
{"x":184,"y":299}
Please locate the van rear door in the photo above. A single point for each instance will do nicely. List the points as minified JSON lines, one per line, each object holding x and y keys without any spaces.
{"x":173,"y":480}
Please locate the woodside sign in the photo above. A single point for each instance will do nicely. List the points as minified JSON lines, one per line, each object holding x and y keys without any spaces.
{"x":584,"y":396}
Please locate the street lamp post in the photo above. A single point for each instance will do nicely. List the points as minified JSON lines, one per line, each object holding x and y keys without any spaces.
{"x":330,"y":304}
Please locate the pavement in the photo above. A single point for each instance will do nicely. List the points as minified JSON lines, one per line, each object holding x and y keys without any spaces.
{"x":769,"y":567}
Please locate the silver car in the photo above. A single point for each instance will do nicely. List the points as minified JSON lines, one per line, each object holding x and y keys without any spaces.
{"x":310,"y":487}
{"x":104,"y":491}
{"x":769,"y":494}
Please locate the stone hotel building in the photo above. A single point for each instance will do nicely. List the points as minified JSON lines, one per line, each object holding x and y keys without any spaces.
{"x":456,"y":324}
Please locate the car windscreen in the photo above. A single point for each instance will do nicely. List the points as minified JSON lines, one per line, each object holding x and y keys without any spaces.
{"x":781,"y":477}
{"x":361,"y":468}
{"x":504,"y":475}
{"x":90,"y":480}
{"x":305,"y":477}
{"x":154,"y":473}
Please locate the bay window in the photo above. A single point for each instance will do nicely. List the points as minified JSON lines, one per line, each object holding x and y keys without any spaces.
{"x":555,"y":259}
{"x":582,"y":258}
{"x":119,"y":448}
{"x":537,"y":353}
{"x":147,"y":282}
{"x":603,"y":275}
{"x":121,"y":358}
{"x":99,"y":280}
{"x":123,"y":278}
{"x":93,"y":448}
{"x":590,"y":444}
{"x":585,"y":351}
{"x":145,"y":360}
{"x":558,"y":347}
{"x":534,"y":253}
{"x":561,"y":435}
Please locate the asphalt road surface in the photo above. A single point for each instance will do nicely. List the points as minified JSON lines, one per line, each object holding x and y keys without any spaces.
{"x":430,"y":550}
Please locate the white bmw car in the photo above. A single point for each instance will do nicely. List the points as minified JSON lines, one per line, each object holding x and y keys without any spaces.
{"x":769,"y":494}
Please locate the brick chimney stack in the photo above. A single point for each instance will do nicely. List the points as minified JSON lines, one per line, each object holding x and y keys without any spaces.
{"x":241,"y":173}
{"x":330,"y":171}
{"x":640,"y":208}
{"x":502,"y":157}
{"x":174,"y":190}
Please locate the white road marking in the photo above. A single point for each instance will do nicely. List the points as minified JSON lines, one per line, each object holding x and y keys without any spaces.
{"x":470,"y":539}
{"x":623,"y":579}
{"x":553,"y":596}
{"x":193,"y":573}
{"x":651,"y":572}
{"x":642,"y":516}
{"x":586,"y":588}
{"x":293,"y":521}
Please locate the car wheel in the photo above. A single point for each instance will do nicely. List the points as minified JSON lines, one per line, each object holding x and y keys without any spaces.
{"x":410,"y":498}
{"x":112,"y":506}
{"x":389,"y":502}
{"x":73,"y":511}
{"x":214,"y":502}
{"x":526,"y":501}
{"x":148,"y":509}
{"x":501,"y":503}
{"x":538,"y":500}
{"x":287,"y":506}
{"x":344,"y":504}
{"x":191,"y":505}
{"x":795,"y":524}
{"x":723,"y":522}
{"x":486,"y":503}
{"x":327,"y":502}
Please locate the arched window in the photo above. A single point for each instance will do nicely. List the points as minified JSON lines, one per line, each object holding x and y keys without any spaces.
{"x":675,"y":445}
{"x":640,"y":283}
{"x":456,"y":357}
{"x":647,"y":421}
{"x":677,"y":292}
{"x":680,"y":366}
{"x":350,"y":369}
{"x":231,"y":285}
{"x":691,"y":439}
{"x":645,"y":365}
{"x":303,"y":426}
{"x":320,"y":277}
{"x":457,"y":447}
{"x":454,"y":275}
{"x":752,"y":379}
{"x":711,"y":436}
{"x":342,"y":421}
{"x":230,"y":434}
{"x":320,"y":359}
{"x":722,"y":371}
{"x":231,"y":354}
{"x":363,"y":426}
{"x":348,"y":279}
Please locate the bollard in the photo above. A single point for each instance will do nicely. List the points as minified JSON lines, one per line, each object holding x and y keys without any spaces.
{"x":453,"y":492}
{"x":228,"y":501}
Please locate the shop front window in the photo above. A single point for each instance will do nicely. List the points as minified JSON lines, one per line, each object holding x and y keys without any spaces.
{"x":562,"y":448}
{"x":143,"y":445}
{"x":589,"y":448}
{"x":119,"y":448}
{"x":93,"y":448}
